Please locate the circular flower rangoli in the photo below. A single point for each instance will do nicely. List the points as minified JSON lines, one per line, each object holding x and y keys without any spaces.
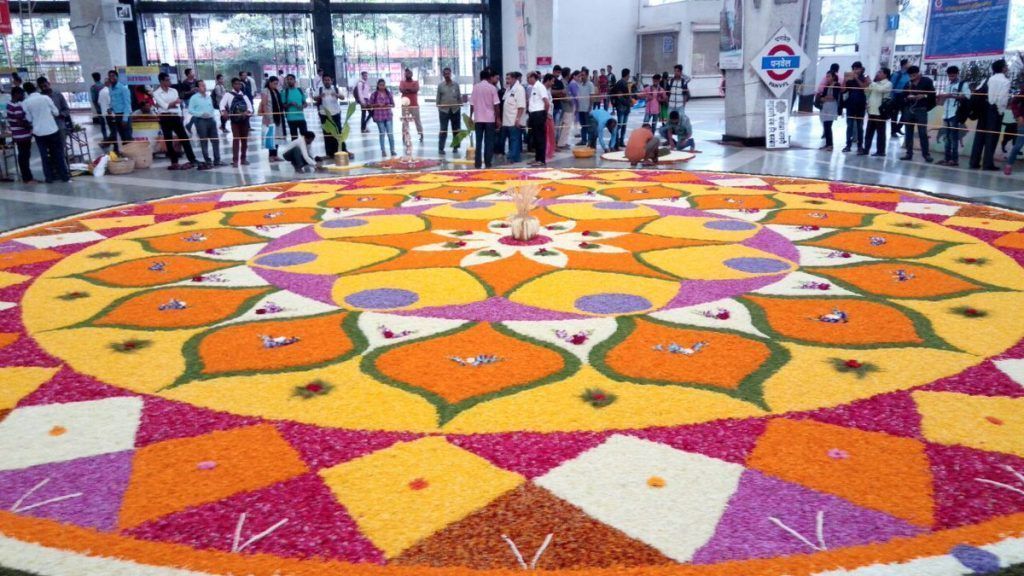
{"x":679,"y":368}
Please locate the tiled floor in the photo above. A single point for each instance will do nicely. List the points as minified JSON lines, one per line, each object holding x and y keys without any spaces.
{"x":22,"y":205}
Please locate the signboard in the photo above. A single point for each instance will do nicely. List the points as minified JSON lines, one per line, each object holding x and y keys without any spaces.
{"x":780,"y":62}
{"x":544,"y":60}
{"x":668,"y":44}
{"x":136,"y":75}
{"x":776,"y":123}
{"x":962,"y":29}
{"x":730,"y":40}
{"x":521,"y":32}
{"x":892,"y":22}
{"x":123,"y":12}
{"x":5,"y":17}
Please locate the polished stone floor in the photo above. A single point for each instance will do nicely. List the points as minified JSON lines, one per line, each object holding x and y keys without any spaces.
{"x":22,"y":205}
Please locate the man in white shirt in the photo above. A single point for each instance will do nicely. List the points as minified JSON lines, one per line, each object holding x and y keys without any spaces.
{"x":103,"y":102}
{"x":363,"y":92}
{"x":41,"y":113}
{"x":168,"y":109}
{"x":537,"y":107}
{"x":958,"y":92}
{"x":328,"y":101}
{"x":237,"y":107}
{"x":297,"y":152}
{"x":990,"y":123}
{"x":513,"y":117}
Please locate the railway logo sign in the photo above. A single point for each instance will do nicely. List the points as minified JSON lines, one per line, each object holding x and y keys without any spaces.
{"x":780,"y":62}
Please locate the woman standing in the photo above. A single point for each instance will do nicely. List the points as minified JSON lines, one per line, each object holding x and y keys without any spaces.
{"x":272,"y":114}
{"x":829,"y":106}
{"x":381,"y":102}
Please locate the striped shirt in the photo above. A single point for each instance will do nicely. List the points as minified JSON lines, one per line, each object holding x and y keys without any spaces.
{"x":20,"y":130}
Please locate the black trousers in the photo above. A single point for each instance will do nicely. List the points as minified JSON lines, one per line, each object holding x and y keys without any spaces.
{"x":876,"y":127}
{"x":24,"y":150}
{"x":986,"y":138}
{"x":330,"y":142}
{"x":173,"y":128}
{"x":296,"y":128}
{"x":367,"y":115}
{"x":51,"y":152}
{"x":448,"y":118}
{"x":119,"y":128}
{"x":538,"y":123}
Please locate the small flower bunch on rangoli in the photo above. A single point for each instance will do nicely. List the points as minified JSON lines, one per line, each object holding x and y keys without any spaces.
{"x":195,"y":237}
{"x":598,"y":398}
{"x":476,"y":361}
{"x":719,"y":314}
{"x":270,"y":342}
{"x":852,"y":365}
{"x":390,"y":334}
{"x":313,"y":389}
{"x":173,"y":304}
{"x":673,"y":348}
{"x":578,"y":338}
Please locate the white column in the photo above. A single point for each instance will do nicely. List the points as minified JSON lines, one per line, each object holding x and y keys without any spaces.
{"x":876,"y":44}
{"x":744,"y":92}
{"x":101,"y":42}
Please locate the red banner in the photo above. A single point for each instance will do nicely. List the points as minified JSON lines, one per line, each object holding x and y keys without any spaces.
{"x":5,"y":17}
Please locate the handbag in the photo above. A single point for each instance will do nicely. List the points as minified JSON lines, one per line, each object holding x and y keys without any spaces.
{"x":268,"y":138}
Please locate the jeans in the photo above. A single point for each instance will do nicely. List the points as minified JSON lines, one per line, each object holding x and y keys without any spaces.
{"x":855,"y":131}
{"x":826,"y":128}
{"x":952,"y":139}
{"x":986,"y":137}
{"x":119,"y":127}
{"x":485,"y":140}
{"x":330,"y":142}
{"x":876,"y":126}
{"x":514,"y":136}
{"x":558,"y":120}
{"x":653,"y":118}
{"x":622,"y":117}
{"x":51,"y":152}
{"x":916,"y":118}
{"x":1018,"y":143}
{"x":297,"y":128}
{"x":384,"y":129}
{"x":584,"y":119}
{"x":206,"y":128}
{"x":174,"y":129}
{"x":538,"y":133}
{"x":24,"y":151}
{"x":448,"y":118}
{"x":1009,"y":134}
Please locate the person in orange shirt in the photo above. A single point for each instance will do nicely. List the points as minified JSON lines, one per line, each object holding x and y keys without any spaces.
{"x":642,"y":146}
{"x":411,"y":89}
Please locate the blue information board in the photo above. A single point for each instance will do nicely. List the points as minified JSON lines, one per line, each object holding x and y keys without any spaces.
{"x":966,"y":29}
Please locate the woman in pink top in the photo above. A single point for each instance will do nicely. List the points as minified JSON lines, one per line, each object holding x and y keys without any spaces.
{"x":654,"y":94}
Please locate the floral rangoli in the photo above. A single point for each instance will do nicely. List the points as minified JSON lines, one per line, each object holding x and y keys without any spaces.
{"x":690,"y":372}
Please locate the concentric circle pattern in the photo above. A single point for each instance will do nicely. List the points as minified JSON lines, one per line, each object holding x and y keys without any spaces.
{"x":688,"y":371}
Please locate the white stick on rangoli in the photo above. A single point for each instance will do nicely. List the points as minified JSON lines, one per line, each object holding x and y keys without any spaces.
{"x":235,"y":547}
{"x":536,"y":556}
{"x":16,"y":508}
{"x":820,"y":532}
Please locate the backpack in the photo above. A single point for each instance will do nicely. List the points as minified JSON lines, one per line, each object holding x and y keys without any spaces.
{"x":977,"y":105}
{"x":963,"y":109}
{"x":238,"y":108}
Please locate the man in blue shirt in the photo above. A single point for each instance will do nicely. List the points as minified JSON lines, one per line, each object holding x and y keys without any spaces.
{"x":899,"y":82}
{"x":599,"y":120}
{"x":119,"y":116}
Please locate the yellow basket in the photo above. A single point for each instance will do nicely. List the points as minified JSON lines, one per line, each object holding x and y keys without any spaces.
{"x":583,"y":152}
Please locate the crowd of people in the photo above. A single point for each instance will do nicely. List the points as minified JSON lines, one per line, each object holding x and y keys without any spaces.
{"x":540,"y":114}
{"x":904,"y":99}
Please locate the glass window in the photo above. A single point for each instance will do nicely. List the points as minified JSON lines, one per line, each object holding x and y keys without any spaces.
{"x":385,"y":44}
{"x":705,"y":54}
{"x":45,"y":46}
{"x":228,"y":43}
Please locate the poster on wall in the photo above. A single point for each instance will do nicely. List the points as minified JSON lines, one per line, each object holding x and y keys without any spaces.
{"x":139,"y":75}
{"x":730,"y":43}
{"x":521,"y":32}
{"x":5,"y":17}
{"x":960,"y":29}
{"x":776,"y":123}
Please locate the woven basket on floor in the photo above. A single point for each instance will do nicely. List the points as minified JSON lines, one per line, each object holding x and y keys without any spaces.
{"x":122,"y":166}
{"x":583,"y":152}
{"x":139,"y":150}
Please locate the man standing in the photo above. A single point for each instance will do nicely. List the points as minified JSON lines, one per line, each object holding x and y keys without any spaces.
{"x":247,"y":88}
{"x":329,"y":102}
{"x":41,"y":113}
{"x":678,"y":91}
{"x":990,"y":117}
{"x":252,"y":88}
{"x":623,"y":103}
{"x":168,"y":108}
{"x":855,"y":104}
{"x":21,"y":133}
{"x":410,"y":89}
{"x":958,"y":92}
{"x":63,"y":110}
{"x":512,"y":116}
{"x":94,"y":98}
{"x":119,"y":114}
{"x":485,"y":108}
{"x":537,"y":107}
{"x":899,"y":81}
{"x":877,"y":93}
{"x":585,"y":101}
{"x":188,"y":85}
{"x":363,"y":93}
{"x":218,"y":94}
{"x":238,"y":108}
{"x":558,"y":96}
{"x":449,"y":108}
{"x":201,"y":106}
{"x":294,"y":102}
{"x":918,"y":98}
